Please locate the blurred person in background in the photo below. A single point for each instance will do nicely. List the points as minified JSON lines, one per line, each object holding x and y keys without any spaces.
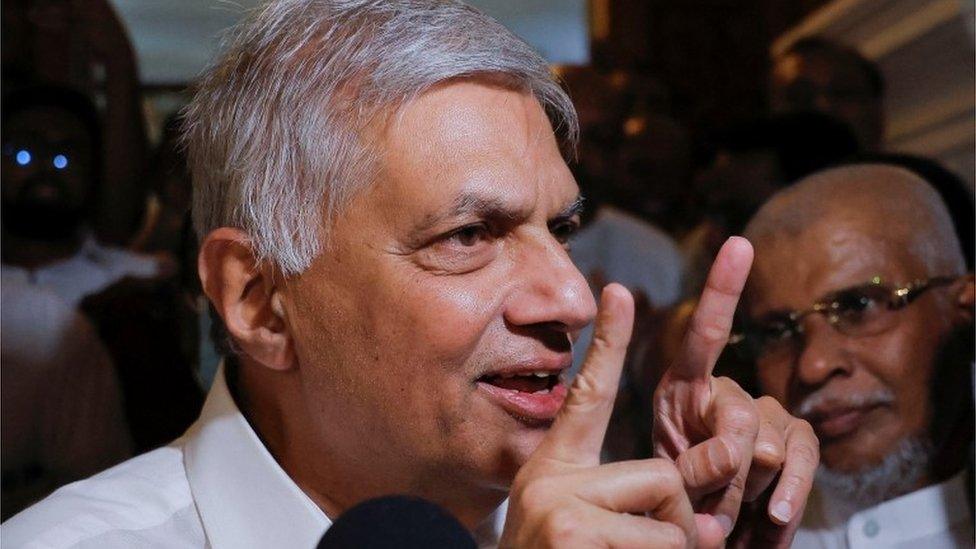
{"x":169,"y":205}
{"x":167,"y":232}
{"x":52,"y":143}
{"x":51,"y":155}
{"x":613,"y":244}
{"x":859,"y":316}
{"x":818,"y":75}
{"x":61,"y":408}
{"x":83,"y":45}
{"x":652,"y":169}
{"x":748,"y":163}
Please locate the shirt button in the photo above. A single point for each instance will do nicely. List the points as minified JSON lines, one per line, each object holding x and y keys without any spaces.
{"x":871,"y":528}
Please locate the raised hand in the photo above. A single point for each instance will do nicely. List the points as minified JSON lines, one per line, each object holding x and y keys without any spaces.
{"x":728,"y":447}
{"x":563,"y":497}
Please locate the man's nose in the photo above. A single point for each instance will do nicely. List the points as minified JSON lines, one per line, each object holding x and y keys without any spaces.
{"x":822,"y":353}
{"x":551,"y":290}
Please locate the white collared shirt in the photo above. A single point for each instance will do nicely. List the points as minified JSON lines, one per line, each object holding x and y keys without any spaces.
{"x":934,"y":517}
{"x":94,"y":268}
{"x":216,"y":486}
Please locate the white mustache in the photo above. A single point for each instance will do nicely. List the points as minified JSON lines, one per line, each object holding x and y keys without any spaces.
{"x":818,"y":401}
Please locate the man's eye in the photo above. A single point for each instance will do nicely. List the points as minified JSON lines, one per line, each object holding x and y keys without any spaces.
{"x":776,"y":330}
{"x":853,"y":302}
{"x":564,"y":230}
{"x":470,"y":235}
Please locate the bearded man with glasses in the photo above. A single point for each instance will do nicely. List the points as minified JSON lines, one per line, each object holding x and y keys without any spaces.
{"x":858,"y":316}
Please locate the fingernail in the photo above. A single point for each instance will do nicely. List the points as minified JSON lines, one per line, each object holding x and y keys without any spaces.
{"x":781,"y":511}
{"x":726,"y":524}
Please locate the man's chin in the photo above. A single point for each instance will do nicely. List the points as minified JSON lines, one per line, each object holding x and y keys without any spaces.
{"x":871,"y":481}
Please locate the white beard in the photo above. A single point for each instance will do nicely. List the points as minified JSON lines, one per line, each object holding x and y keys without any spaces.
{"x":898,"y":473}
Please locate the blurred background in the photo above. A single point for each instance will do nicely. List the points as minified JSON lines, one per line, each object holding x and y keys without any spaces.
{"x":692,"y":113}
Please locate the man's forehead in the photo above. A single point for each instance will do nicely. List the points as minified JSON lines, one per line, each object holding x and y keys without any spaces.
{"x":462,"y":111}
{"x":830,"y":255}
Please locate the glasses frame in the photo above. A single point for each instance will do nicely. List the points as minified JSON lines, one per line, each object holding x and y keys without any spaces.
{"x":898,"y":298}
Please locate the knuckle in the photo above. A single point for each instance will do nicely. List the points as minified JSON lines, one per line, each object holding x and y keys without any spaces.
{"x":805,"y":430}
{"x":669,"y":477}
{"x":561,"y":526}
{"x":769,"y":453}
{"x":603,"y":341}
{"x":672,"y":536}
{"x":767,"y":402}
{"x":806,"y":454}
{"x":742,"y":420}
{"x":688,"y":470}
{"x":794,"y":480}
{"x":710,"y":329}
{"x":589,"y":394}
{"x":737,"y":486}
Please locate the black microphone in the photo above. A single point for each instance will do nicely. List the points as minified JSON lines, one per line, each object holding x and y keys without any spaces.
{"x":400,"y":522}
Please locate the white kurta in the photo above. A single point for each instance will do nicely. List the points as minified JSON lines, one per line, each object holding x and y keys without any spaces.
{"x":934,"y":517}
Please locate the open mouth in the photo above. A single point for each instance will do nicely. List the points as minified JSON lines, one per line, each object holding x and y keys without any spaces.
{"x":531,"y":397}
{"x":531,"y":382}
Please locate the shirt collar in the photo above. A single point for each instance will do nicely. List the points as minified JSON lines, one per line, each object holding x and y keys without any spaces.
{"x":245,"y":499}
{"x":921,"y":513}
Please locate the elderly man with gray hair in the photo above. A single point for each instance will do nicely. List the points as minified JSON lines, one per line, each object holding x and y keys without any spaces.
{"x":860,"y":319}
{"x":384,"y":210}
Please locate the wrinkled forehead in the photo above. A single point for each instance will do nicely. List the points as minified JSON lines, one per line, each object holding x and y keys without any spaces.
{"x":792,"y":269}
{"x":462,"y":112}
{"x":473,"y":135}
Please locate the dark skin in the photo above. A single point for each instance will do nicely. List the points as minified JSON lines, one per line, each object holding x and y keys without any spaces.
{"x":46,"y":132}
{"x":65,"y":42}
{"x":845,"y":249}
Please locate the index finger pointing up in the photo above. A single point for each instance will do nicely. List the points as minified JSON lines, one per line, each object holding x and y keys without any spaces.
{"x":577,"y":434}
{"x":709,"y":329}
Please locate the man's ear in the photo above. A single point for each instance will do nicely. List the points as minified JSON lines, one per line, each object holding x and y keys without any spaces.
{"x":246,"y":298}
{"x":965,"y":297}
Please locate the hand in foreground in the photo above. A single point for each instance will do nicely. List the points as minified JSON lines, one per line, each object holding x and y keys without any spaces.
{"x":563,"y":497}
{"x":728,"y":447}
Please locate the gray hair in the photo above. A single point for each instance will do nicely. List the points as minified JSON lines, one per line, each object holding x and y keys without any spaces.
{"x":912,"y":211}
{"x":277,"y":132}
{"x":899,"y":472}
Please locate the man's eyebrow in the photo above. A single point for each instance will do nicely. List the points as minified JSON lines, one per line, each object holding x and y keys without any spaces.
{"x":473,"y":204}
{"x":574,"y":208}
{"x":467,"y":204}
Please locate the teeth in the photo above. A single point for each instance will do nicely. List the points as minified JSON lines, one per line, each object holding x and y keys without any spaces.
{"x":510,"y":375}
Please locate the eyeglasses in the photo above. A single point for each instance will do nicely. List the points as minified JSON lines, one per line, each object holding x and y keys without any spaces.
{"x":859,"y":311}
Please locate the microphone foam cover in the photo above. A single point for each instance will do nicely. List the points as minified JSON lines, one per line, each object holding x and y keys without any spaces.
{"x":401,"y":522}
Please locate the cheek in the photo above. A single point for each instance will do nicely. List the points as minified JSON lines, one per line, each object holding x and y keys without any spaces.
{"x":444,"y":319}
{"x":904,"y":364}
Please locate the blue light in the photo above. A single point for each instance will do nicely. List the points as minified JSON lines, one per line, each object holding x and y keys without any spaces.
{"x":23,"y":157}
{"x":60,"y":161}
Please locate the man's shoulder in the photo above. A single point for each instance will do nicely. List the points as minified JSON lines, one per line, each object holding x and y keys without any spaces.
{"x":145,"y":500}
